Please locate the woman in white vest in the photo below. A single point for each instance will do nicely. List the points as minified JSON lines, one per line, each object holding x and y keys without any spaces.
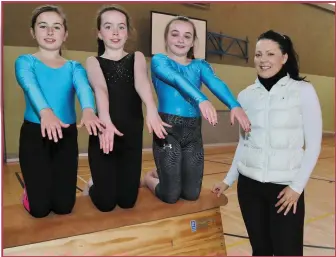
{"x":274,"y":161}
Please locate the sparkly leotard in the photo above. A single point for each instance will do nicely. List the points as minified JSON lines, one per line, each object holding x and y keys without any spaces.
{"x":116,"y":175}
{"x":178,"y":86}
{"x":179,"y":157}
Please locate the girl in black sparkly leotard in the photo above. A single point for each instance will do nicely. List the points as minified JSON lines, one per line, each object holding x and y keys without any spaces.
{"x":121,"y":84}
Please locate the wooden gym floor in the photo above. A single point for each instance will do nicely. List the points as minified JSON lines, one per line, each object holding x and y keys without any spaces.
{"x":319,"y":196}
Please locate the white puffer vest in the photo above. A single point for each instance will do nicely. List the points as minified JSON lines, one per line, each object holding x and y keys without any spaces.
{"x":273,"y":150}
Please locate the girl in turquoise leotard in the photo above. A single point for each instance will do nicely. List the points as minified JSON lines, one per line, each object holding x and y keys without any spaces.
{"x":48,"y":149}
{"x":177,"y":77}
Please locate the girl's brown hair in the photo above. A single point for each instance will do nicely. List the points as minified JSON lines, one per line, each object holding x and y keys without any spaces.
{"x":190,"y":54}
{"x":130,"y":28}
{"x":48,"y":8}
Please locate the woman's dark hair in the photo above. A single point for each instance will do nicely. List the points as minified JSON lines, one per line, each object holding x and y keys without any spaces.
{"x":190,"y":54}
{"x":130,"y":29}
{"x":48,"y":8}
{"x":286,"y":47}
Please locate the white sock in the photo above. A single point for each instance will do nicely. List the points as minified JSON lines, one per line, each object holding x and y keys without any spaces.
{"x":88,"y":185}
{"x":90,"y":182}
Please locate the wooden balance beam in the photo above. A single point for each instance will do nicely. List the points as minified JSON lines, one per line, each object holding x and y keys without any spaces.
{"x":150,"y":228}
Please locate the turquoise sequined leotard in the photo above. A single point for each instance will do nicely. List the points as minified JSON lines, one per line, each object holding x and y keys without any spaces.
{"x":178,"y":86}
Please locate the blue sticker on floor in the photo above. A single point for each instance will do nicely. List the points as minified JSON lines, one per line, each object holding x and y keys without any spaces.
{"x":193,"y":225}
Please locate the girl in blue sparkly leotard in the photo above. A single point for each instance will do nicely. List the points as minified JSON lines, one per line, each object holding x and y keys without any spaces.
{"x":177,"y":78}
{"x":48,"y":149}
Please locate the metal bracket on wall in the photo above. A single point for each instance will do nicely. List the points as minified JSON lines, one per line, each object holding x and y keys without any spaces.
{"x":217,"y":39}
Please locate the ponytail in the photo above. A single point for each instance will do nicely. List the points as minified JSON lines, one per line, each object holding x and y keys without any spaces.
{"x":292,"y":64}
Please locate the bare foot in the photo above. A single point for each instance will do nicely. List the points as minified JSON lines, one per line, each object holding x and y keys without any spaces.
{"x":150,"y":180}
{"x":154,"y":173}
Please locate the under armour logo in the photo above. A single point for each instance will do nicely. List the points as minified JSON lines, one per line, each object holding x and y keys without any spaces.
{"x":165,"y":146}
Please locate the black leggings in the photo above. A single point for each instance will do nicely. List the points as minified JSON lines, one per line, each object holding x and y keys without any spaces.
{"x":116,"y":176}
{"x":49,"y":169}
{"x":270,"y":233}
{"x":179,"y":159}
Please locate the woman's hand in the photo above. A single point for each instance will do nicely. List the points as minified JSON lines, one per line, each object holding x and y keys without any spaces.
{"x":288,"y":199}
{"x":219,"y":187}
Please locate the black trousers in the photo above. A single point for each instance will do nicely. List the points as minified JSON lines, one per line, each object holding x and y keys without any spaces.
{"x":116,"y":176}
{"x":49,"y":169}
{"x":270,"y":233}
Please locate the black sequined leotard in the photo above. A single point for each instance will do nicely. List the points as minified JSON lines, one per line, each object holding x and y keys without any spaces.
{"x":116,"y":175}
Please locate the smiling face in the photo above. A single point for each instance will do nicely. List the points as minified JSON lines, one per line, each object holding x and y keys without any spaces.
{"x":180,"y":37}
{"x":268,"y":58}
{"x":113,"y":29}
{"x":49,"y":31}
